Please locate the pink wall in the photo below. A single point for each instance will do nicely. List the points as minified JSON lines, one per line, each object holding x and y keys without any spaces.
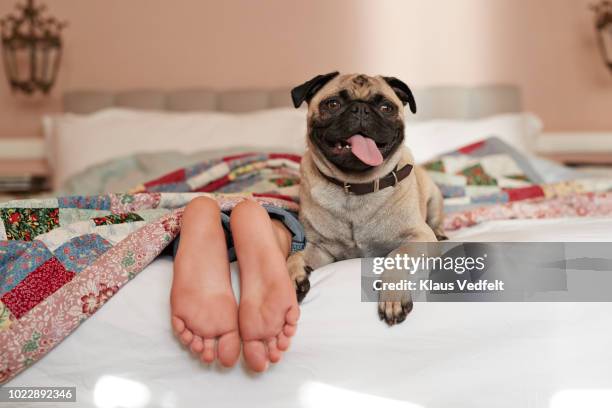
{"x":545,"y":46}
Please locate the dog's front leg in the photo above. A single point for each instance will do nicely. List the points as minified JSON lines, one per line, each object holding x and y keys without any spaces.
{"x":394,"y":305}
{"x":300,"y":264}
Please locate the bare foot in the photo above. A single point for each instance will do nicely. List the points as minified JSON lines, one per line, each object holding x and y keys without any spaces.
{"x":268,"y":311}
{"x":204,"y":310}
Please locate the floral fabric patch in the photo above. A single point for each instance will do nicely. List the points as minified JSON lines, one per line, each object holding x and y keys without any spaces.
{"x":31,"y":203}
{"x":117,"y":219}
{"x":124,"y":203}
{"x":285,"y":182}
{"x":72,"y":215}
{"x":80,"y":252}
{"x":6,"y":318}
{"x":39,"y":284}
{"x":85,"y":202}
{"x":246,"y":162}
{"x":26,"y":223}
{"x":115,"y":233}
{"x":476,"y":176}
{"x":437,"y":165}
{"x":198,"y":169}
{"x":19,"y":258}
{"x":91,"y":302}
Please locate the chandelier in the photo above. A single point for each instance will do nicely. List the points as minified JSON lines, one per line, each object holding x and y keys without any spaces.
{"x":603,"y":25}
{"x":31,"y":48}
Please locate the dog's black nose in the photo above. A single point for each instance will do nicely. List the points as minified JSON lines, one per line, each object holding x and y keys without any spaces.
{"x":361,"y":109}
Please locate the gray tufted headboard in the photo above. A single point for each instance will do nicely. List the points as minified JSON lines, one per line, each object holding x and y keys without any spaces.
{"x":438,"y":102}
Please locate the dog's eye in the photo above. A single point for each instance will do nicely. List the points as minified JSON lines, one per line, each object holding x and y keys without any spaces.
{"x":386,"y":107}
{"x":332,"y":104}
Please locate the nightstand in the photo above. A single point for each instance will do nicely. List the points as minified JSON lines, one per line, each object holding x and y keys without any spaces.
{"x":589,"y":152}
{"x":23,"y":169}
{"x":581,"y":158}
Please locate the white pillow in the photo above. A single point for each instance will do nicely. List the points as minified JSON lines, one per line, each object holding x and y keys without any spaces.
{"x":76,"y":142}
{"x":79,"y":141}
{"x":429,"y":139}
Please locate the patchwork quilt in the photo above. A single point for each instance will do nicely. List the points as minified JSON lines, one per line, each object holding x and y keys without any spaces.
{"x":486,"y":172}
{"x":61,"y":259}
{"x":489,"y":180}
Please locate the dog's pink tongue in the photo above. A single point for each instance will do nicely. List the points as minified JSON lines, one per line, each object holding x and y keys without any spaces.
{"x":365,"y":149}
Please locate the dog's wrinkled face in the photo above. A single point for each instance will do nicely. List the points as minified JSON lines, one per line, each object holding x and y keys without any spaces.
{"x":355,"y":121}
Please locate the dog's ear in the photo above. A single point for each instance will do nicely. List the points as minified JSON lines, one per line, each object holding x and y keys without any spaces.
{"x":402,"y":91}
{"x":308,"y":89}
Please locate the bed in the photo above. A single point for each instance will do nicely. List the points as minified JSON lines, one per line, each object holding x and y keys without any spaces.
{"x":445,"y":354}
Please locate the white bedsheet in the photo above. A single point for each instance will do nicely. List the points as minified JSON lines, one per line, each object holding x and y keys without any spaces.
{"x":444,"y":355}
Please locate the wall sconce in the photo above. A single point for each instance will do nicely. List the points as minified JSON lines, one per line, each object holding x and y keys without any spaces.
{"x":31,"y":49}
{"x":603,"y":24}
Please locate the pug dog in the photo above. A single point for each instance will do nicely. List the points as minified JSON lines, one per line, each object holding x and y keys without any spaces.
{"x":361,"y":194}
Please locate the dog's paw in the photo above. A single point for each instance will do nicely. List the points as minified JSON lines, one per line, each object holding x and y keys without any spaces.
{"x":302,"y":286}
{"x":299,"y":273}
{"x":394,"y":312}
{"x":394,"y":305}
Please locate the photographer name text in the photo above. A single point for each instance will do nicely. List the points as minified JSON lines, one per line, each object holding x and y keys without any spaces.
{"x":462,"y":285}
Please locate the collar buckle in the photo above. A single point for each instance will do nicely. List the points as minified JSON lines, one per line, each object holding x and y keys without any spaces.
{"x":347,"y":188}
{"x":395,"y":178}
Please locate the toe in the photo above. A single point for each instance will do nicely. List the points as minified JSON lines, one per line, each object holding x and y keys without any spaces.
{"x":282,"y":341}
{"x":293,"y":315}
{"x":177,"y":324}
{"x":389,"y":311}
{"x":197,"y":345}
{"x":208,"y":354}
{"x":273,"y":352}
{"x":289,"y":330}
{"x":381,"y":310}
{"x":186,"y":336}
{"x":228,"y":349}
{"x":255,"y":355}
{"x":398,"y":312}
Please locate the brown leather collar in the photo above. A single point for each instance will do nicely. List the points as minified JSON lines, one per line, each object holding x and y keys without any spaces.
{"x":390,"y":180}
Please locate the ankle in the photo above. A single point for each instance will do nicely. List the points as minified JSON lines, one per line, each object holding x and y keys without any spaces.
{"x":283,"y":237}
